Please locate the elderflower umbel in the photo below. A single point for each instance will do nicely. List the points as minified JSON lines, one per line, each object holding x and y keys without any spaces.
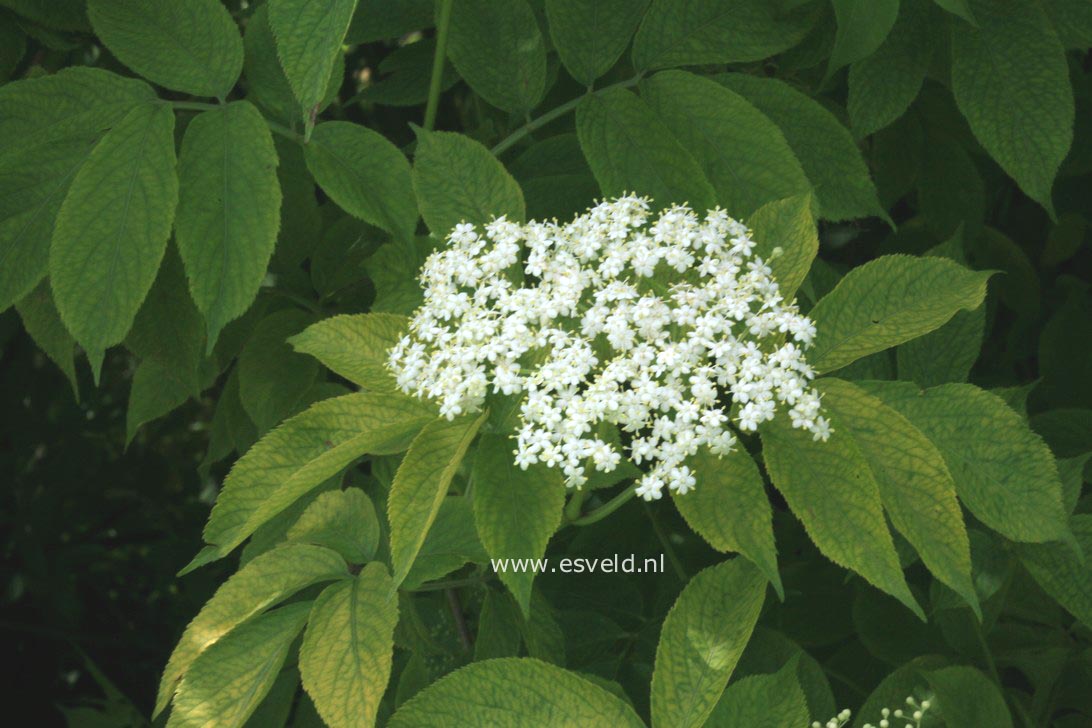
{"x":911,"y":718}
{"x":667,"y":327}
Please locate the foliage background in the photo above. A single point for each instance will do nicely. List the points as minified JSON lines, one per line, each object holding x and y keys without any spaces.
{"x":911,"y":126}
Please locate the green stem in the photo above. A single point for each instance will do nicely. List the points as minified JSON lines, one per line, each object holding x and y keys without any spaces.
{"x":575,"y":504}
{"x":552,"y":115}
{"x":669,"y":550}
{"x":437,"y":79}
{"x":607,"y":508}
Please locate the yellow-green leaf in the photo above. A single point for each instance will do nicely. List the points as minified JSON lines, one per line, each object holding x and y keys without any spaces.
{"x":887,"y":301}
{"x":763,"y":701}
{"x":355,"y":346}
{"x":1004,"y":473}
{"x":516,"y":511}
{"x":915,"y":486}
{"x":702,"y":639}
{"x":514,"y":692}
{"x":228,"y":681}
{"x":786,"y":237}
{"x":421,"y":483}
{"x":345,"y":658}
{"x":341,"y":520}
{"x":831,"y":489}
{"x":262,"y":583}
{"x":729,"y":509}
{"x":304,"y":451}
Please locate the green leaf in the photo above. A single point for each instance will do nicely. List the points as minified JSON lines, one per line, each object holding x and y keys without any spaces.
{"x":824,"y":146}
{"x":702,"y":639}
{"x":168,"y":336}
{"x":786,"y":238}
{"x":831,"y":489}
{"x":630,"y":150}
{"x":48,"y":127}
{"x":883,"y":85}
{"x":112,"y":229}
{"x":190,"y":46}
{"x":1060,"y":572}
{"x":228,"y":210}
{"x":457,"y":180}
{"x":496,"y":45}
{"x":301,"y":220}
{"x":678,"y":33}
{"x":1004,"y":473}
{"x":590,"y":35}
{"x":748,"y":161}
{"x":763,"y":701}
{"x":341,"y":520}
{"x":516,"y":511}
{"x":1072,"y":20}
{"x":309,"y":36}
{"x":57,"y":14}
{"x":894,"y":688}
{"x":262,"y":583}
{"x":266,"y":84}
{"x":355,"y":346}
{"x":421,"y":484}
{"x":966,"y":697}
{"x":499,"y":627}
{"x":950,"y":189}
{"x":1009,"y":78}
{"x":887,"y":301}
{"x":394,"y":271}
{"x":345,"y":658}
{"x":962,"y":8}
{"x":382,"y":19}
{"x":272,"y":377}
{"x":229,"y":680}
{"x":514,"y":693}
{"x":947,"y":354}
{"x":451,"y":542}
{"x":914,"y":483}
{"x":729,"y":509}
{"x":33,"y":183}
{"x":365,"y":175}
{"x":862,"y":27}
{"x":74,"y":103}
{"x":43,"y":323}
{"x":303,"y":452}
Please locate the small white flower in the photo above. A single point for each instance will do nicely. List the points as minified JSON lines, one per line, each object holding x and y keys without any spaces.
{"x":654,"y":326}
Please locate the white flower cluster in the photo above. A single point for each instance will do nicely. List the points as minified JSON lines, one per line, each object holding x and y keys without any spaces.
{"x":667,"y":327}
{"x":914,"y":716}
